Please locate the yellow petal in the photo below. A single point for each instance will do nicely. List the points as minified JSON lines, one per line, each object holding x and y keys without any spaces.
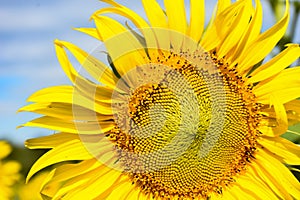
{"x":175,"y":11}
{"x":218,"y":29}
{"x":279,"y":125}
{"x":264,"y":43}
{"x":124,"y":191}
{"x":51,"y":141}
{"x":96,"y":69}
{"x":155,"y":14}
{"x":89,"y":31}
{"x":158,"y":21}
{"x":37,"y":183}
{"x":277,"y":64}
{"x":284,"y":96}
{"x":68,"y":171}
{"x":265,"y":176}
{"x":276,"y":86}
{"x":238,"y":192}
{"x":231,"y":25}
{"x":79,"y":127}
{"x":94,"y":92}
{"x":222,"y":5}
{"x":280,"y":173}
{"x":277,"y":187}
{"x":65,"y":111}
{"x":197,"y":19}
{"x":293,"y":115}
{"x":68,"y":151}
{"x":84,"y":86}
{"x":74,"y":177}
{"x":252,"y":31}
{"x":111,"y":2}
{"x":293,"y":111}
{"x":226,"y":195}
{"x":103,"y":180}
{"x":255,"y":188}
{"x":67,"y":94}
{"x":281,"y":117}
{"x":210,"y":39}
{"x":292,"y":148}
{"x":139,"y":22}
{"x":74,"y":184}
{"x":268,"y":131}
{"x":128,"y":55}
{"x":113,"y":181}
{"x":293,"y":105}
{"x":283,"y":148}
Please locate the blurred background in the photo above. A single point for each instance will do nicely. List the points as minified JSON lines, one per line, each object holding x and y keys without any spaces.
{"x":28,"y":61}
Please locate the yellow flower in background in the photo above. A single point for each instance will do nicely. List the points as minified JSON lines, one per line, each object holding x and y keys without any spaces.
{"x":180,"y":111}
{"x":9,"y":172}
{"x":31,"y":190}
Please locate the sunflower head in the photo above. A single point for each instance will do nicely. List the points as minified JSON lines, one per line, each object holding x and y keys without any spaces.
{"x":176,"y":113}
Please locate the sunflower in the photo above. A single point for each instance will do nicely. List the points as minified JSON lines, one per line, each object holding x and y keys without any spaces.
{"x":9,"y":172}
{"x":179,"y":111}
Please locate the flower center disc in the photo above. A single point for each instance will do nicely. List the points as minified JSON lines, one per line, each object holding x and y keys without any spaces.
{"x":183,"y":130}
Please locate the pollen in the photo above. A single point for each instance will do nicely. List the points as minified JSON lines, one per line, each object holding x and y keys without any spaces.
{"x":185,"y":131}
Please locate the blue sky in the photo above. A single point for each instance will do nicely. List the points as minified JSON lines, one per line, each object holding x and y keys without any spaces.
{"x":27,"y":57}
{"x":28,"y":61}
